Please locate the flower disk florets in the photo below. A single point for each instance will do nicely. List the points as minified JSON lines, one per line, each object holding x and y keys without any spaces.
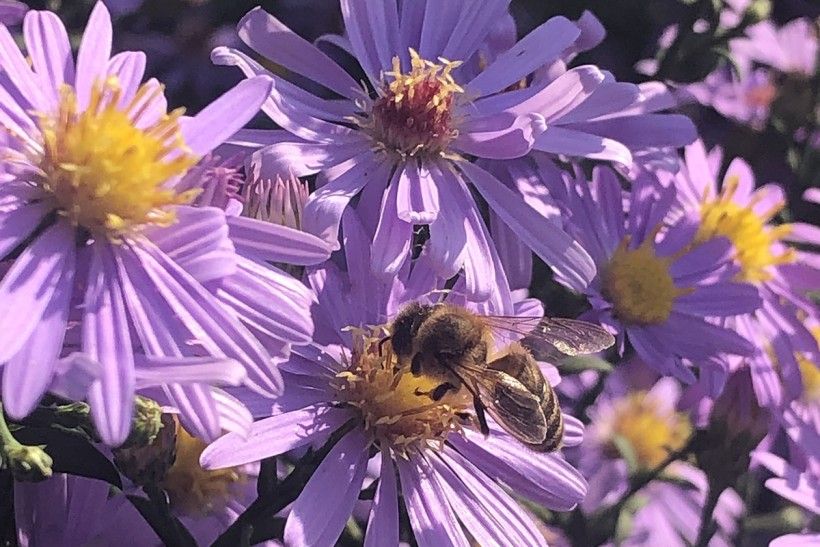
{"x":106,"y":171}
{"x":395,"y":406}
{"x":754,"y":240}
{"x":413,"y":114}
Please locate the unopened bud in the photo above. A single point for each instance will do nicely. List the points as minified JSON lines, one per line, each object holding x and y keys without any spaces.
{"x":28,"y":463}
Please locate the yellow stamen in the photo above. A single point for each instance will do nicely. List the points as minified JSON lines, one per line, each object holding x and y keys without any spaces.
{"x":192,"y":490}
{"x":106,"y":174}
{"x":651,"y":431}
{"x":395,"y":406}
{"x":754,"y":240}
{"x":639,"y":285}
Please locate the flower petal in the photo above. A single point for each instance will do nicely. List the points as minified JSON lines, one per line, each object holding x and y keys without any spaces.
{"x":93,"y":54}
{"x":274,"y":243}
{"x":572,"y":142}
{"x":720,"y":300}
{"x":273,"y":436}
{"x":431,"y":516}
{"x":47,"y":44}
{"x":383,"y":522}
{"x":320,"y":513}
{"x":268,"y":36}
{"x":30,"y":284}
{"x":225,"y":116}
{"x":391,"y":242}
{"x":156,"y":371}
{"x":535,"y":50}
{"x":107,"y":340}
{"x":323,"y":210}
{"x":29,"y":373}
{"x":562,"y":253}
{"x":417,"y":198}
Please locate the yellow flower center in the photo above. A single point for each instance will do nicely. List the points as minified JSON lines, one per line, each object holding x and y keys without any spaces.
{"x":106,"y":174}
{"x":639,"y":285}
{"x":810,"y":374}
{"x":192,"y":490}
{"x":413,"y":114}
{"x":652,"y":432}
{"x":395,"y":406}
{"x":748,"y":231}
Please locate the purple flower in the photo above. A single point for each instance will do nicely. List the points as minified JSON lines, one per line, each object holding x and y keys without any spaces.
{"x":656,"y":286}
{"x":790,"y":49}
{"x":782,"y":273}
{"x":634,"y":430}
{"x":87,"y":216}
{"x":345,"y":379}
{"x":402,"y":147}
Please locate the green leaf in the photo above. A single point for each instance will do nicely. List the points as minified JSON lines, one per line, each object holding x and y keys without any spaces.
{"x":71,"y":453}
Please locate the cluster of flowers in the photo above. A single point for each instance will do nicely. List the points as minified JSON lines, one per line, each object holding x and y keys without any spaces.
{"x":150,"y":254}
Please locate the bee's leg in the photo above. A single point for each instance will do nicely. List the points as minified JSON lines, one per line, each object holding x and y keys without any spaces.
{"x":437,"y":392}
{"x":482,"y":418}
{"x":415,"y":364}
{"x":382,"y":342}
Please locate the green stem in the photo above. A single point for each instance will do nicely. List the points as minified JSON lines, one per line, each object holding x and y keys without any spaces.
{"x":707,"y":522}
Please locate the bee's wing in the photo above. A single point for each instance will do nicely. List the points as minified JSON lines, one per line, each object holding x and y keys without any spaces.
{"x":543,"y":335}
{"x":515,"y":408}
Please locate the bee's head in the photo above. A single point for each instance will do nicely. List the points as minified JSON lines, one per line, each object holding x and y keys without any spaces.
{"x":405,"y":327}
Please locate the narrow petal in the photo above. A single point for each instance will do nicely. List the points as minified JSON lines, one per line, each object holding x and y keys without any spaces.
{"x":197,"y":409}
{"x":417,"y":197}
{"x":572,"y":142}
{"x":93,"y":54}
{"x":107,"y":340}
{"x":129,"y":68}
{"x":274,"y":243}
{"x":225,"y":116}
{"x":391,"y":242}
{"x":268,"y":36}
{"x":323,"y":210}
{"x":721,"y":300}
{"x":536,"y":49}
{"x":508,"y":142}
{"x":491,"y":515}
{"x":369,"y":46}
{"x":216,"y":330}
{"x":156,"y":371}
{"x":383,"y":522}
{"x":20,"y":74}
{"x":646,"y":130}
{"x":30,"y":284}
{"x":472,"y":27}
{"x":320,"y":513}
{"x":448,"y":234}
{"x":301,"y":158}
{"x":273,"y":436}
{"x":544,"y":478}
{"x":557,"y":248}
{"x":198,"y":242}
{"x":28,"y":374}
{"x":433,"y":520}
{"x":18,"y":224}
{"x":47,"y":44}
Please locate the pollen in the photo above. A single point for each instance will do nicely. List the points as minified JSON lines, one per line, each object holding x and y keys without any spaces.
{"x":106,"y":171}
{"x":639,"y":285}
{"x":651,"y":431}
{"x":413,"y":113}
{"x":395,"y":406}
{"x":755,"y":241}
{"x":194,"y":491}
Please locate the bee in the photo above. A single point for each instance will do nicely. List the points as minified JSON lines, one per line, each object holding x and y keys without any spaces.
{"x":452,"y":345}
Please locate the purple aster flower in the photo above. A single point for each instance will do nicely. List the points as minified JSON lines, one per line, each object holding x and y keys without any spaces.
{"x":790,"y":49}
{"x":448,"y":473}
{"x":655,"y":287}
{"x":647,"y":423}
{"x":782,"y":273}
{"x":86,"y":220}
{"x":12,"y":11}
{"x":401,"y":144}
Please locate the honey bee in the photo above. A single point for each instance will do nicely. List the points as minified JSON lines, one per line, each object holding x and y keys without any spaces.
{"x":452,"y":344}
